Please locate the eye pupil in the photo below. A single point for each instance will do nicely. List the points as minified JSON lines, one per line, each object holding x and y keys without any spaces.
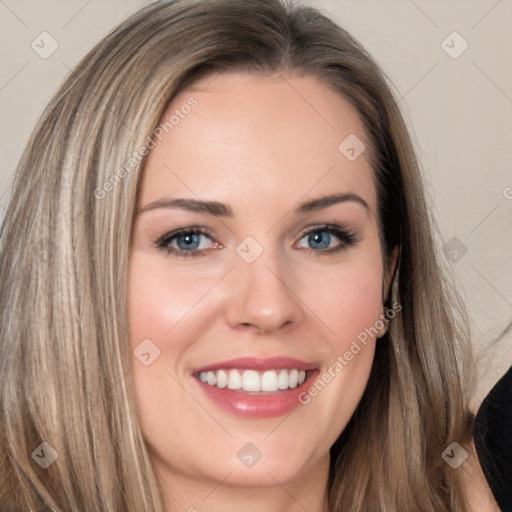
{"x":319,"y":239}
{"x":189,"y":241}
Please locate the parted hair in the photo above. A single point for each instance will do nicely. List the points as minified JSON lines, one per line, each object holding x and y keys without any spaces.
{"x":65,"y":243}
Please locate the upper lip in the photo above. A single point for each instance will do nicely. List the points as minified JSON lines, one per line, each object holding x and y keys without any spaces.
{"x":258,"y":364}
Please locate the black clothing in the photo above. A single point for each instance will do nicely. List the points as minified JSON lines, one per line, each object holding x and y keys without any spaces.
{"x":493,"y":440}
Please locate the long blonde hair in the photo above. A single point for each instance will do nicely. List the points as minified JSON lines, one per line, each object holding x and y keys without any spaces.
{"x":64,"y":363}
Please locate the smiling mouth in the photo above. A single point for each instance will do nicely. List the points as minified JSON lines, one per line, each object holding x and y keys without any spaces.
{"x":252,"y":381}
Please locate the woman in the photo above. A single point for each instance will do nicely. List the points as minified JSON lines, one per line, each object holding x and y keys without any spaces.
{"x":220,"y":290}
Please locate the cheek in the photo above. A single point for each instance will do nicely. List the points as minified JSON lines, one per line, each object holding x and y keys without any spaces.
{"x":348,"y":301}
{"x":352,"y":304}
{"x":346,"y":298}
{"x":168,"y":312}
{"x":159,"y":300}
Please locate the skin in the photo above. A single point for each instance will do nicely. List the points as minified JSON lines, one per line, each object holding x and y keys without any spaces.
{"x":255,"y":144}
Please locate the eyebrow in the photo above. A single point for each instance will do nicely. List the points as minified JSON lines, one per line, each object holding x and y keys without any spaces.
{"x":326,"y":201}
{"x":222,"y":210}
{"x":192,"y":205}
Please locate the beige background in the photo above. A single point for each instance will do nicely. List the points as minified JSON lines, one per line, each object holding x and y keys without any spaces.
{"x":459,"y":108}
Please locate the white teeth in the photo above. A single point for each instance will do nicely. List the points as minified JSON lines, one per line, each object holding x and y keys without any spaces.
{"x":234,"y":380}
{"x":269,"y":381}
{"x":252,"y":381}
{"x":294,"y":377}
{"x":222,"y":379}
{"x":283,"y":379}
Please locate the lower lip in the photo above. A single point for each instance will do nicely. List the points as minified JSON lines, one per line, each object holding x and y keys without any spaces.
{"x":271,"y":405}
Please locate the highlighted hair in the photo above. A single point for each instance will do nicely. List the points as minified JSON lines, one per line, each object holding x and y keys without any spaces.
{"x":64,"y":363}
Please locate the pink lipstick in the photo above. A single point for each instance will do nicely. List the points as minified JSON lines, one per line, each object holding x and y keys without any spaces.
{"x":256,"y":387}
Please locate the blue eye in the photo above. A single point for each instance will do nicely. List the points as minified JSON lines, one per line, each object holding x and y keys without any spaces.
{"x":327,"y":239}
{"x":319,"y":240}
{"x":195,"y":241}
{"x":187,"y":242}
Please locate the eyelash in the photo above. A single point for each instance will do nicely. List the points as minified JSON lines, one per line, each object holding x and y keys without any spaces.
{"x":165,"y":241}
{"x":347,"y":237}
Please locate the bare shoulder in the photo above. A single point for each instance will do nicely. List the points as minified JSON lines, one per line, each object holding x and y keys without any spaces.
{"x":478,"y":493}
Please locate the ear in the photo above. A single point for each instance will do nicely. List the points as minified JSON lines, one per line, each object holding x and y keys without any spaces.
{"x":389,"y":272}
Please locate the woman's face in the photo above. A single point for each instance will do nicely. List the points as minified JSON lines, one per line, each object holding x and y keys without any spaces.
{"x":255,"y":267}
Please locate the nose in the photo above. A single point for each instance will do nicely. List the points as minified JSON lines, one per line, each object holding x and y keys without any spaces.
{"x":262,"y":297}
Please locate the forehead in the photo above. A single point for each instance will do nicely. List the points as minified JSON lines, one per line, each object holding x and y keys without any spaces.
{"x":250,"y":137}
